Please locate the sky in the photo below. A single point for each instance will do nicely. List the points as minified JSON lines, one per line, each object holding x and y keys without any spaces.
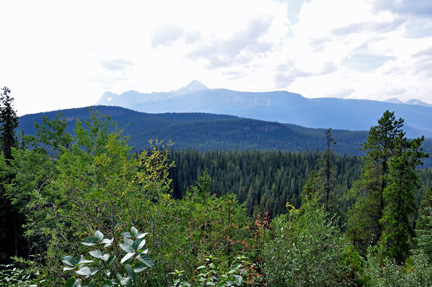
{"x":63,"y":54}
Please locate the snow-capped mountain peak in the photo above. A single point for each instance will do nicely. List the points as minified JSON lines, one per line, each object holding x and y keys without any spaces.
{"x":193,"y":86}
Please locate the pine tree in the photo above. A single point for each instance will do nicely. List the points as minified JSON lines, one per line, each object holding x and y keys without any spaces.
{"x":328,"y":171}
{"x":399,"y":199}
{"x":9,"y":122}
{"x":424,"y":228}
{"x":322,"y":184}
{"x":424,"y":209}
{"x":9,"y":238}
{"x":385,"y":192}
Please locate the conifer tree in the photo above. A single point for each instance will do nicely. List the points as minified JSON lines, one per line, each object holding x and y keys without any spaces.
{"x":384,"y":193}
{"x":321,"y":185}
{"x":399,"y":199}
{"x":8,"y":217}
{"x":424,"y":228}
{"x":9,"y":122}
{"x":328,"y":170}
{"x":424,"y":209}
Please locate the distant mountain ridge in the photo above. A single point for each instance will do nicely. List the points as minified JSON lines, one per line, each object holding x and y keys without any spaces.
{"x":277,"y":106}
{"x":409,"y":102}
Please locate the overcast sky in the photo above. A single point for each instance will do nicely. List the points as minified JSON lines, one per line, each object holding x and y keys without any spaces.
{"x":63,"y":54}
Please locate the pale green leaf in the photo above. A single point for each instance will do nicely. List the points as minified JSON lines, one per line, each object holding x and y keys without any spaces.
{"x":127,"y":257}
{"x":140,"y":235}
{"x":127,"y":247}
{"x":140,"y":267}
{"x":144,"y":258}
{"x":85,"y":271}
{"x":98,"y":235}
{"x":96,"y":253}
{"x":134,"y":231}
{"x":69,"y":260}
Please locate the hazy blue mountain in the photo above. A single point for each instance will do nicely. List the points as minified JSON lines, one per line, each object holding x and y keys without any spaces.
{"x":132,"y":98}
{"x":278,"y":106}
{"x":409,"y":102}
{"x":394,"y":101}
{"x":417,"y":102}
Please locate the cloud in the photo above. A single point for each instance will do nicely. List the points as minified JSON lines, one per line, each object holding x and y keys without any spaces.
{"x":343,"y":93}
{"x":293,"y":9}
{"x":240,"y":48}
{"x":117,"y":64}
{"x":285,"y":75}
{"x":413,"y":7}
{"x":418,"y":28}
{"x":355,"y":48}
{"x":232,"y":75}
{"x":423,"y":63}
{"x":192,"y":37}
{"x":166,"y":35}
{"x":414,"y":14}
{"x":365,"y":62}
{"x":382,"y":26}
{"x":328,"y":68}
{"x":289,"y":72}
{"x":424,"y":53}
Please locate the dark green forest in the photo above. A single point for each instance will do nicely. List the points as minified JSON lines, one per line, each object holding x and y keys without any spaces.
{"x":266,"y":180}
{"x":82,"y":207}
{"x":263,"y":180}
{"x":209,"y":132}
{"x":206,"y":131}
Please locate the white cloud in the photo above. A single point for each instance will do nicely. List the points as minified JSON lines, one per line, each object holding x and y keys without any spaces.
{"x":166,"y":35}
{"x":371,"y":49}
{"x":117,"y":64}
{"x":59,"y":54}
{"x":242,"y":47}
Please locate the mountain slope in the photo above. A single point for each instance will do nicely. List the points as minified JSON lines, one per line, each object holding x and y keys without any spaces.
{"x":210,"y":131}
{"x":206,"y":131}
{"x":279,"y":106}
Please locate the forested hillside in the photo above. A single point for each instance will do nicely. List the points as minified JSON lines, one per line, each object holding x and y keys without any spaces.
{"x":263,"y":180}
{"x":82,"y":208}
{"x":266,"y":180}
{"x":206,"y":132}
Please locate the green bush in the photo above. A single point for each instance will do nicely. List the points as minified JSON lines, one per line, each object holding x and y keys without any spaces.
{"x":240,"y":272}
{"x":306,"y":248}
{"x":104,"y":269}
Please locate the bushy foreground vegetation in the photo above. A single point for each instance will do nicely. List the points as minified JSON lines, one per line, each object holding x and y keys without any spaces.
{"x":73,"y":206}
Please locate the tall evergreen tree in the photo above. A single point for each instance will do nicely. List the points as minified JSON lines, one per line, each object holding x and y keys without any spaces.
{"x":328,"y":169}
{"x":399,"y":198}
{"x":322,"y":184}
{"x":9,"y":122}
{"x":384,"y":193}
{"x":9,"y":237}
{"x":424,"y":209}
{"x":424,"y":228}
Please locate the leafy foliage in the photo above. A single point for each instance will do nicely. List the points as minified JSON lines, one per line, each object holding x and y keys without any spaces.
{"x":305,"y":248}
{"x":10,"y":275}
{"x":104,"y":269}
{"x":241,"y":272}
{"x":378,"y":272}
{"x":220,"y":217}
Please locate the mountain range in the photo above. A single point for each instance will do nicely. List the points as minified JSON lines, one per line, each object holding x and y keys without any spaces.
{"x":278,"y":106}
